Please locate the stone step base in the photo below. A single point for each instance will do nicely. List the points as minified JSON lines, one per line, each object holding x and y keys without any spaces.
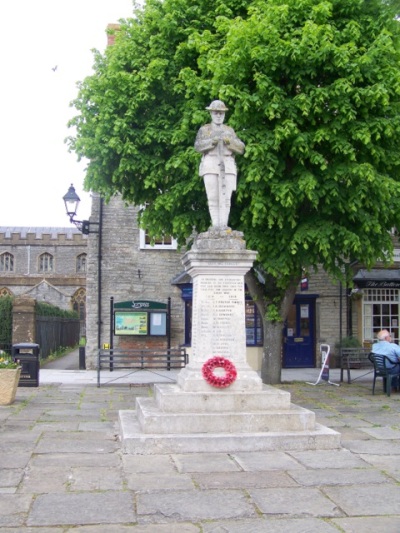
{"x":135,"y":442}
{"x":153,"y":420}
{"x":171,"y":398}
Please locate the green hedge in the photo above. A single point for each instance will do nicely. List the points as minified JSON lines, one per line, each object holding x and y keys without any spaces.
{"x":6,"y":306}
{"x":44,"y":309}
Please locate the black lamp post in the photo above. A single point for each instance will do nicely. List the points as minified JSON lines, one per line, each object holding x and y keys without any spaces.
{"x":71,"y":201}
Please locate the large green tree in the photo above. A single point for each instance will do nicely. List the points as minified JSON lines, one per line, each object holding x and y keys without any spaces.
{"x":313,"y":88}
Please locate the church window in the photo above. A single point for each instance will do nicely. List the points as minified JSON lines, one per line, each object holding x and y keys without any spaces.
{"x":81,"y":262}
{"x":6,"y":262}
{"x":46,"y":263}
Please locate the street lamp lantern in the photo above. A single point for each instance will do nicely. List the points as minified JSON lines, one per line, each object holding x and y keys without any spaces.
{"x":71,"y":201}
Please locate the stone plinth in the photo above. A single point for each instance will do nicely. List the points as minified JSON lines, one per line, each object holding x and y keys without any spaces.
{"x":193,"y":416}
{"x":217,"y":264}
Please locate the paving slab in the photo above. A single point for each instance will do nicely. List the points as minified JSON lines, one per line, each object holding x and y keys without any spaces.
{"x":99,"y":478}
{"x":45,"y":479}
{"x":244,"y":480}
{"x":205,"y":462}
{"x":266,"y":461}
{"x":297,"y":502}
{"x":76,"y":459}
{"x":274,"y":525}
{"x":82,"y":508}
{"x":336,"y":476}
{"x":366,"y":500}
{"x":77,"y":442}
{"x":193,"y":506}
{"x":380,"y":447}
{"x":13,"y":509}
{"x":329,"y":459}
{"x":137,"y":528}
{"x":149,"y":464}
{"x":368,"y":525}
{"x":156,"y":482}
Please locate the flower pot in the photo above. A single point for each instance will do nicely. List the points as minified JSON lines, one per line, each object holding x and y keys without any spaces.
{"x":9,"y":378}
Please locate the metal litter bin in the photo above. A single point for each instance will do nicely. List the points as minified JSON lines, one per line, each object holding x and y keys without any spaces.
{"x":28,"y":355}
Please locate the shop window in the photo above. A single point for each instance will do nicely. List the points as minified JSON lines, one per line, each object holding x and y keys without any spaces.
{"x":81,"y":262}
{"x":6,"y":262}
{"x":46,"y":263}
{"x":254,"y":333}
{"x":380,"y":311}
{"x":164,"y":243}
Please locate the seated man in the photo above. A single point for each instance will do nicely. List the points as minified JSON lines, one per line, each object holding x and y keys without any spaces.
{"x":385,"y":346}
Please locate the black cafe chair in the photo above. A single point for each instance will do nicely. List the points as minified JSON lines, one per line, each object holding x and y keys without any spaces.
{"x":382,"y":369}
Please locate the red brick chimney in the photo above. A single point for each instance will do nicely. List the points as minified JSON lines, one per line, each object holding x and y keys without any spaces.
{"x":111,"y":36}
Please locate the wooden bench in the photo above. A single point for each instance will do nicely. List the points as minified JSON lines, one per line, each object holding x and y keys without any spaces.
{"x":150,"y":360}
{"x":354,"y":358}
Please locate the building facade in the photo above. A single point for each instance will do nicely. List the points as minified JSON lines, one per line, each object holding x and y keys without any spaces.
{"x":46,"y":264}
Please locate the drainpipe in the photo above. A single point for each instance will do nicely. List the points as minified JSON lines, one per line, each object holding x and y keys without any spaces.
{"x":99,"y":273}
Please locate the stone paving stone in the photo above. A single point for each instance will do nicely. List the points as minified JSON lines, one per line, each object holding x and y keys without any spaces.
{"x":75,"y":459}
{"x":297,"y":502}
{"x":366,"y":500}
{"x":153,"y":528}
{"x":352,"y":434}
{"x":271,"y":525}
{"x":369,"y":525}
{"x":329,"y":459}
{"x":384,"y":462}
{"x":82,"y":508}
{"x":194,"y":506}
{"x":245,"y":480}
{"x":340,"y":422}
{"x":260,"y":461}
{"x":99,"y":478}
{"x":13,"y":509}
{"x":56,"y":426}
{"x":383,"y":447}
{"x":155,"y":482}
{"x":14,"y":460}
{"x":149,"y":463}
{"x":97,"y":426}
{"x":77,"y":442}
{"x":205,"y":462}
{"x":10,"y":477}
{"x":383,"y":433}
{"x":336,"y":476}
{"x":44,"y":480}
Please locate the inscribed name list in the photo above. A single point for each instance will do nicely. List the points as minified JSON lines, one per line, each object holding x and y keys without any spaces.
{"x":218,"y":317}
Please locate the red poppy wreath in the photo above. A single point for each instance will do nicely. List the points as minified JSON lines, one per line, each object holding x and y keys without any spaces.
{"x":219,"y":381}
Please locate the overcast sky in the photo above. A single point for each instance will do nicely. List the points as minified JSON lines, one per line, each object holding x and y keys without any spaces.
{"x":36,"y":36}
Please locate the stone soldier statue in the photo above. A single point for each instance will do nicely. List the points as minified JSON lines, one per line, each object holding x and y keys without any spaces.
{"x":218,"y":143}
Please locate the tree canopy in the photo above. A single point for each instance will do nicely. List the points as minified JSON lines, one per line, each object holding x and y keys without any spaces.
{"x":313,"y":88}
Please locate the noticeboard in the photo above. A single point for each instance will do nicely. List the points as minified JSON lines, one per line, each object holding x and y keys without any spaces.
{"x":130,"y":323}
{"x":140,"y":318}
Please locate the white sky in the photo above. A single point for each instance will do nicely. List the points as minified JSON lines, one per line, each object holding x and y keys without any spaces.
{"x":36,"y":168}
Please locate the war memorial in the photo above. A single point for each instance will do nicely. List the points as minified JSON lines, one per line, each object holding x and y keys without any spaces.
{"x":219,"y":403}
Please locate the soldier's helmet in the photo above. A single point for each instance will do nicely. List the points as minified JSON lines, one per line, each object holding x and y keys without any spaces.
{"x":217,"y":105}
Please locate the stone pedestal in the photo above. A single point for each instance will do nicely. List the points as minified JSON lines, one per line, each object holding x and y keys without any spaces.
{"x":193,"y":416}
{"x":217,"y":264}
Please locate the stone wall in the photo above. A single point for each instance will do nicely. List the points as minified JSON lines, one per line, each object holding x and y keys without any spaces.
{"x":127,"y":273}
{"x":26,"y":246}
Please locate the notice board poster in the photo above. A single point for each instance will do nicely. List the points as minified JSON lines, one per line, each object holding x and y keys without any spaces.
{"x":134,"y":323}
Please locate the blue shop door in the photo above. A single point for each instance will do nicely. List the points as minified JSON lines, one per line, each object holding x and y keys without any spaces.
{"x":299,"y":335}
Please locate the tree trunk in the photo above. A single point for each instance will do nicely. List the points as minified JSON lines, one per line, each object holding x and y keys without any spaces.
{"x":272,"y":353}
{"x":271,"y":365}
